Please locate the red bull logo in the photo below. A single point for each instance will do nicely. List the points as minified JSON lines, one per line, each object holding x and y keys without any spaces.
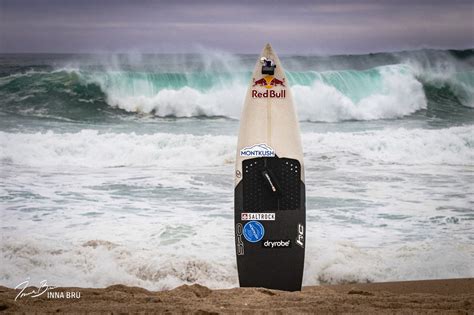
{"x":269,"y":82}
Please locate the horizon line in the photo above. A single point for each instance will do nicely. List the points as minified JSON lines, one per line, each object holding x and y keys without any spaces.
{"x":131,"y":52}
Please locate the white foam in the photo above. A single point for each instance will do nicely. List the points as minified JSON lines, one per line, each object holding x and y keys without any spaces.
{"x":91,"y":148}
{"x":159,"y":267}
{"x":166,"y":218}
{"x":345,"y":262}
{"x":445,"y":71}
{"x":400,"y":95}
{"x":405,"y":146}
{"x":69,"y":261}
{"x":184,"y":102}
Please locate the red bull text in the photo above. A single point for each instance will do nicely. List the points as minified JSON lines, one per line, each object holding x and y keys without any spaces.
{"x":270,"y":93}
{"x":269,"y":82}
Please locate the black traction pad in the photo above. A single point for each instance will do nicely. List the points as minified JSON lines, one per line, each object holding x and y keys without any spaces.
{"x":271,"y":185}
{"x":259,"y":197}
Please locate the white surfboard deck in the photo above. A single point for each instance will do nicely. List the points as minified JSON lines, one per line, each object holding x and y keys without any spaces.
{"x":269,"y":120}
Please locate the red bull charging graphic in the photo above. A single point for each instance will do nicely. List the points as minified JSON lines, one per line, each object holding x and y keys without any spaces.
{"x":269,"y":82}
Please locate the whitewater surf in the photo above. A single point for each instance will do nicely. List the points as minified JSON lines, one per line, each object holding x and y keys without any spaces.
{"x":98,"y":153}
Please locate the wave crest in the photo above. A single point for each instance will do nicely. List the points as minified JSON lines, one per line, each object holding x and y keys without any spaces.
{"x":399,"y":94}
{"x":381,"y":93}
{"x":385,"y":92}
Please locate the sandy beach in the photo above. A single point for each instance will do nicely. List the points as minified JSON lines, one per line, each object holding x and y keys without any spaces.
{"x":454,"y":296}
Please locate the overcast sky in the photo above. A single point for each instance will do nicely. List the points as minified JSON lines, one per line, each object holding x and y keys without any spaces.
{"x":308,"y":27}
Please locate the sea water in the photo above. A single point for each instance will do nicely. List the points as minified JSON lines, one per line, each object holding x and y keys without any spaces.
{"x":119,"y":168}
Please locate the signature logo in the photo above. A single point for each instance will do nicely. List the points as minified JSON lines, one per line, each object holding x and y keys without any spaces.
{"x":32,"y":292}
{"x":44,"y":288}
{"x":269,"y":82}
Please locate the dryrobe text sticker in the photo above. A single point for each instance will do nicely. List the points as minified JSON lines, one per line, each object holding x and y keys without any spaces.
{"x":253,"y":231}
{"x":276,"y":243}
{"x":260,"y":216}
{"x":258,"y":150}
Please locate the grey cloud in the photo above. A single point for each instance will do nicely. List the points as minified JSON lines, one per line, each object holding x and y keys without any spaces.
{"x":182,"y":26}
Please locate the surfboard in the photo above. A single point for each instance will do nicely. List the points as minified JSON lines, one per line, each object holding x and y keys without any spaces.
{"x":269,"y":200}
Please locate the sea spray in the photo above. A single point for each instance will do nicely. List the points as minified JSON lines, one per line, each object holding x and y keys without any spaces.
{"x":210,"y":88}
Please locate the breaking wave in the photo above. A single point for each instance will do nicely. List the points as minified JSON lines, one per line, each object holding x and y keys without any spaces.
{"x":381,"y":92}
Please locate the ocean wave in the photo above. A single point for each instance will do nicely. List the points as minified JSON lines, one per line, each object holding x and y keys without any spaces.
{"x":101,"y":263}
{"x":384,"y":92}
{"x":94,"y":149}
{"x":393,"y":93}
{"x":402,"y":146}
{"x":91,"y":148}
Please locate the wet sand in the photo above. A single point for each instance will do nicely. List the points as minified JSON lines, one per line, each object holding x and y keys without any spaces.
{"x":454,"y":296}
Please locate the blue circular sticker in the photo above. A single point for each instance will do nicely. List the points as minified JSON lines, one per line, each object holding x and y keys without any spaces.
{"x":253,"y":231}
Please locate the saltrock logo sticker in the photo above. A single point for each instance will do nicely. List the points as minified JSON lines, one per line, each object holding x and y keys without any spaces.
{"x":260,"y":216}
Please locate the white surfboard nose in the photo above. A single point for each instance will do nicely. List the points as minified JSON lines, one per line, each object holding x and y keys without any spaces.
{"x":268,"y":115}
{"x":267,"y":51}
